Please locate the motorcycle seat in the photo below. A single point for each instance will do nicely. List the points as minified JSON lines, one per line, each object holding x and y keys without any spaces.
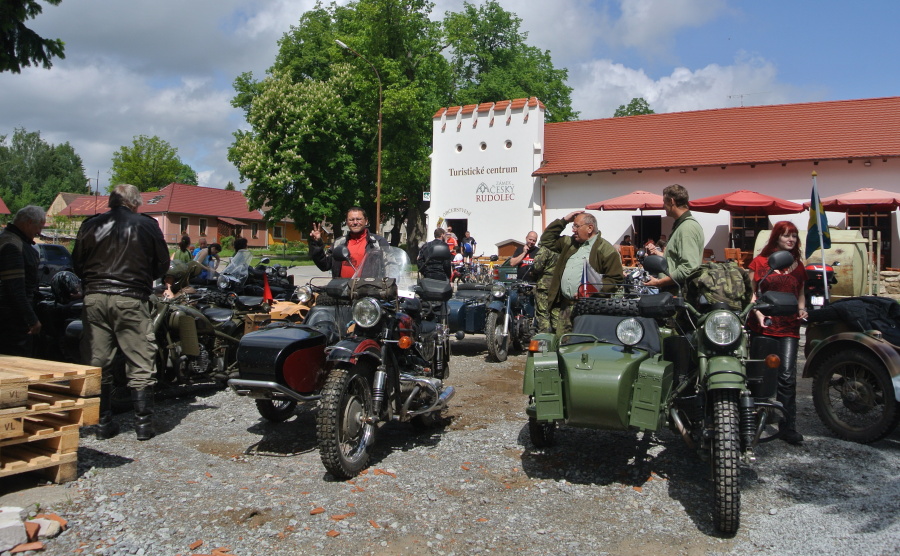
{"x":473,"y":291}
{"x":435,"y":290}
{"x":248,"y":301}
{"x":218,"y":314}
{"x":603,"y":327}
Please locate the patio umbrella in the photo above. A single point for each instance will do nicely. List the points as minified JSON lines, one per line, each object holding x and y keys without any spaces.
{"x":636,"y":200}
{"x":746,"y":202}
{"x":864,"y":199}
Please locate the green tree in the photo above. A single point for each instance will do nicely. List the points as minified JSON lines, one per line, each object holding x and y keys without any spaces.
{"x":150,"y":164}
{"x":20,"y":45}
{"x":33,"y":172}
{"x":229,"y":186}
{"x":314,"y":155}
{"x":636,"y":107}
{"x":492,"y":61}
{"x":186,"y":175}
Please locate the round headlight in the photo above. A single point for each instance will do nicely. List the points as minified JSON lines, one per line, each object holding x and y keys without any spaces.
{"x":498,"y":290}
{"x":630,"y":331}
{"x":367,"y":312}
{"x":282,"y":272}
{"x":304,"y":294}
{"x":722,"y":328}
{"x":223,"y":283}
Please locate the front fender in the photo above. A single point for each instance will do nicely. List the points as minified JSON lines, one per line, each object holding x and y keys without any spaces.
{"x":883,"y":350}
{"x":496,"y":305}
{"x":724,"y":371}
{"x":351,"y":350}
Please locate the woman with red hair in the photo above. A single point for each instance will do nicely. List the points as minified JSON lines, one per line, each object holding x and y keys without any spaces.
{"x":786,"y":329}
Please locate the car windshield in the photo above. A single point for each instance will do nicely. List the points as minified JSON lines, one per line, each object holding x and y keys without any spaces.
{"x":55,"y":254}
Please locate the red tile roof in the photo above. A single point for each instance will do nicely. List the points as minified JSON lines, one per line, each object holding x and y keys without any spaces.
{"x":532,"y":102}
{"x":846,"y":129}
{"x":176,"y":198}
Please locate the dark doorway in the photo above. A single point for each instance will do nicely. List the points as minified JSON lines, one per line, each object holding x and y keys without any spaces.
{"x":646,"y":227}
{"x":459,"y":225}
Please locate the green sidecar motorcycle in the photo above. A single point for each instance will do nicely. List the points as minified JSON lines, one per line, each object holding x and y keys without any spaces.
{"x":645,"y":362}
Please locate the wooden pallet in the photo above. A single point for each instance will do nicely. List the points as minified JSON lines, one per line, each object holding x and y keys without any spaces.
{"x":19,"y":376}
{"x":43,"y":404}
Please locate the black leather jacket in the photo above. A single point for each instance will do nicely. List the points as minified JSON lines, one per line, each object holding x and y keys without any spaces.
{"x":120,"y":252}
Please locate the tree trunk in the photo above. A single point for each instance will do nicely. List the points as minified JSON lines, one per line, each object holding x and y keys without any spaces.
{"x":415,"y":227}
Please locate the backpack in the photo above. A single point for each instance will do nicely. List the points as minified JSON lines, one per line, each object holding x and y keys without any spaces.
{"x":712,"y":283}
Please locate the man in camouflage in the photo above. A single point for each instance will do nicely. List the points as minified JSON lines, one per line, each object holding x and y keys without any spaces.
{"x":542,"y":274}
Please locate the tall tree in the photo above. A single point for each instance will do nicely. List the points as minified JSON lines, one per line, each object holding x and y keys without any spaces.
{"x":492,"y":61}
{"x":636,"y":107}
{"x":316,"y":155}
{"x":33,"y":172}
{"x":19,"y":45}
{"x":186,"y":175}
{"x":150,"y":163}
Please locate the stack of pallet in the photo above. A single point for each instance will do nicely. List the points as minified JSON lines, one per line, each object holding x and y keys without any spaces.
{"x":42,"y":406}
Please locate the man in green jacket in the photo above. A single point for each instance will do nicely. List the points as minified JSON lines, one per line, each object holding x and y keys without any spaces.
{"x":684,"y":251}
{"x":584,"y":246}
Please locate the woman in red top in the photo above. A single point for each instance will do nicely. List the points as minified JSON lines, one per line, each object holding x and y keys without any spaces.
{"x":785,"y":329}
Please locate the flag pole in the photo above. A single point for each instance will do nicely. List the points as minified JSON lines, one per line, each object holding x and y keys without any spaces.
{"x":821,"y":238}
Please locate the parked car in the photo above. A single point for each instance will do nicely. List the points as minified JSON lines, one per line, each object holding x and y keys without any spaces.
{"x":54,"y":258}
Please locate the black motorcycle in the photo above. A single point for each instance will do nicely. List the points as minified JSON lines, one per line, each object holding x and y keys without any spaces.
{"x":378,"y":373}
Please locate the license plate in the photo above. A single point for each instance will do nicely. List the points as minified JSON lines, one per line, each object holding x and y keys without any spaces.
{"x":817,"y":300}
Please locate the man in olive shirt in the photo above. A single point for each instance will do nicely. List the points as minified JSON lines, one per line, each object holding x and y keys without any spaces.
{"x":684,"y":250}
{"x":584,"y":245}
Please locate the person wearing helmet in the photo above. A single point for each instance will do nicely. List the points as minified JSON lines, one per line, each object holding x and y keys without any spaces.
{"x":66,"y":287}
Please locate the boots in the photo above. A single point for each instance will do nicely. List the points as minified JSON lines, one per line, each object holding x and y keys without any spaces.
{"x":143,"y":413}
{"x":107,"y":428}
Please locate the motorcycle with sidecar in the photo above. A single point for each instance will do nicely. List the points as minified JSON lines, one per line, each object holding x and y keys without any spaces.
{"x":645,"y":362}
{"x":363,"y":371}
{"x":853,"y":356}
{"x":502,"y":311}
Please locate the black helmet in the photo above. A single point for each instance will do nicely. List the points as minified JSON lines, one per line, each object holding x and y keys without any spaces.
{"x":65,"y":286}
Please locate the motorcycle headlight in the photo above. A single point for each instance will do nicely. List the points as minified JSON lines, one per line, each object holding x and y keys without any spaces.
{"x":282,"y":272}
{"x":498,"y":290}
{"x":223,"y":283}
{"x":304,"y":294}
{"x":723,"y":328}
{"x":630,"y":331}
{"x":270,"y":271}
{"x":367,"y":312}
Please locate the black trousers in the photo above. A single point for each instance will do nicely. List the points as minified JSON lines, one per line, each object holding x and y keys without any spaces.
{"x":787,"y":378}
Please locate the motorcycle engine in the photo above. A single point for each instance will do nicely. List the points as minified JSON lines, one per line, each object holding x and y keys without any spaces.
{"x":199,"y":364}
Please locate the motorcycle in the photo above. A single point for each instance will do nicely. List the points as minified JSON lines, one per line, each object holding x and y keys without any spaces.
{"x":504,"y":313}
{"x":377,"y":370}
{"x":855,"y":367}
{"x":631,"y":363}
{"x":814,"y":290}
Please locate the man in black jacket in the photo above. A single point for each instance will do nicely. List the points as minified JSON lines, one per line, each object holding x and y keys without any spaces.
{"x":19,"y":281}
{"x":118,"y":255}
{"x":358,"y":240}
{"x":433,"y":267}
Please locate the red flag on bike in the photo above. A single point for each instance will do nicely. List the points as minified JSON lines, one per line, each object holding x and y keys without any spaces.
{"x":267,"y":291}
{"x":591,"y":281}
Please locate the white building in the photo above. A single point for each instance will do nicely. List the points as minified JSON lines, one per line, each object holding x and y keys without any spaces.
{"x":499,"y":171}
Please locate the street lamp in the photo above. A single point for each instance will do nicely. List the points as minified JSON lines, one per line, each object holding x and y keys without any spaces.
{"x":378,"y":173}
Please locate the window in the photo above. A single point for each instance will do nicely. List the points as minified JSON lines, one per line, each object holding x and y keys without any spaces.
{"x":184,"y":225}
{"x":744,"y":228}
{"x":875,"y":222}
{"x":203,"y":226}
{"x":278,"y":232}
{"x":254,"y":231}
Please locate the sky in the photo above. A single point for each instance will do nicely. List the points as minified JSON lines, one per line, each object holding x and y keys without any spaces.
{"x":166,"y":67}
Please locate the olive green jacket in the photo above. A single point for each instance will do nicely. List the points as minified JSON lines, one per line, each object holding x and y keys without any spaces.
{"x":603,"y":258}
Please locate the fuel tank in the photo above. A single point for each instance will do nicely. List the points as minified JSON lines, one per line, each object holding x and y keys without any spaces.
{"x":292,"y":355}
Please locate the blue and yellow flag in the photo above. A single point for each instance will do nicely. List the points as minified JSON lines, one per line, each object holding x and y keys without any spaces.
{"x":818,"y":234}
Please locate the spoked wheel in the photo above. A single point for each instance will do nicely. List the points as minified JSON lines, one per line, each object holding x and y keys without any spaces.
{"x":498,"y":346}
{"x":543,"y":434}
{"x":854,"y":397}
{"x":276,"y":411}
{"x":726,"y":447}
{"x":343,"y":424}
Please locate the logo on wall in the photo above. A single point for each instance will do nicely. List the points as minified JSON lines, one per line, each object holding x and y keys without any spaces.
{"x":500,"y":191}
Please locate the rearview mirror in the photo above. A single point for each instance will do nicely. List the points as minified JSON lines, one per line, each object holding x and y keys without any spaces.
{"x":780,"y":260}
{"x":494,"y":258}
{"x":654,"y":264}
{"x":341,"y":253}
{"x":264,"y":260}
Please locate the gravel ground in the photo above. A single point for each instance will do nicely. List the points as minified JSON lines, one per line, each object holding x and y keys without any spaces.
{"x":219,"y":474}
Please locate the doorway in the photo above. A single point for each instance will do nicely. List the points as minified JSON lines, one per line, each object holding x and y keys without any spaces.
{"x":460,"y":226}
{"x":645,"y":227}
